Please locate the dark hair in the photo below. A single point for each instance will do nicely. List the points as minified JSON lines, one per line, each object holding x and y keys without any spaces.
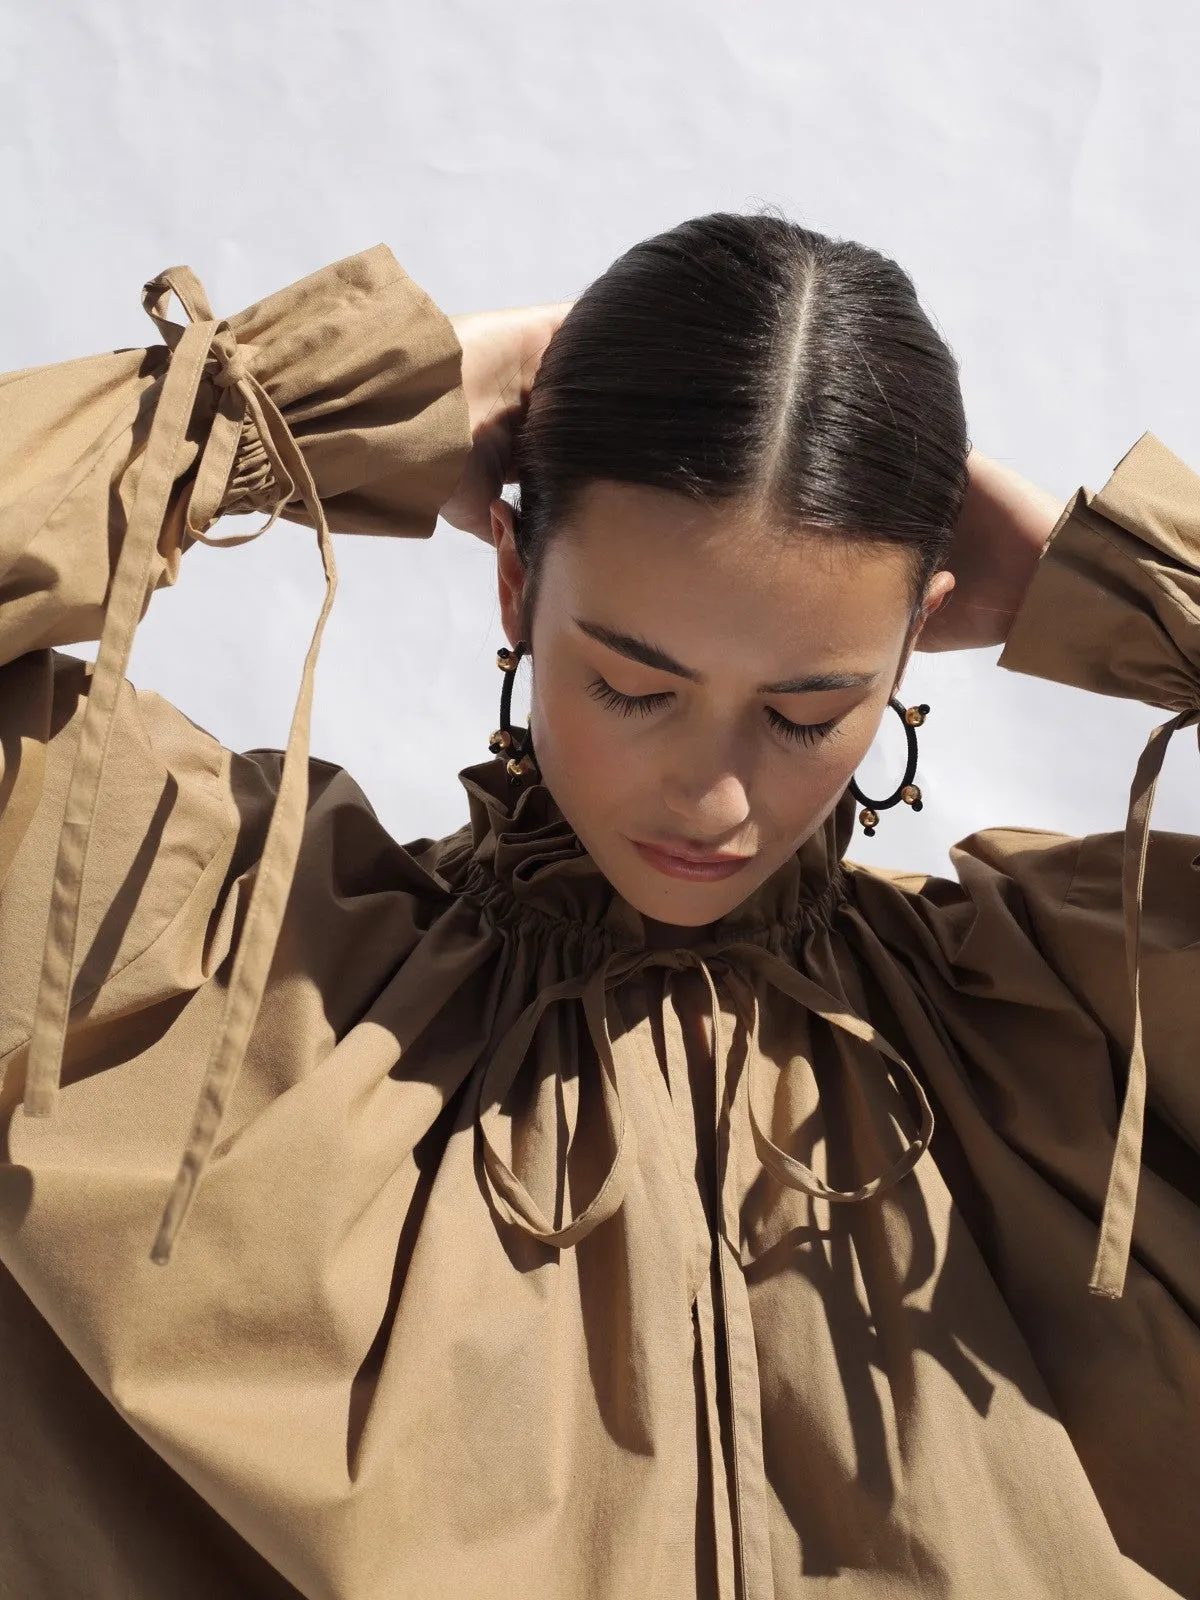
{"x":746,"y":355}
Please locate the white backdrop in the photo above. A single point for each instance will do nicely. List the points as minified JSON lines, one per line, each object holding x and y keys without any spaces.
{"x":1032,"y":163}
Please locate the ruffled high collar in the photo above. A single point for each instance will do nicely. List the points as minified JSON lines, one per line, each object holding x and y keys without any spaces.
{"x":522,"y":843}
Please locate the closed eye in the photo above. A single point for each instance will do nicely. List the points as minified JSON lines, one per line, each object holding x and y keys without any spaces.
{"x":800,"y":732}
{"x":642,"y":705}
{"x":626,"y":705}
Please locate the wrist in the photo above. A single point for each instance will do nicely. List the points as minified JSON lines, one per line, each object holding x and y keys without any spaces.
{"x":1010,"y":502}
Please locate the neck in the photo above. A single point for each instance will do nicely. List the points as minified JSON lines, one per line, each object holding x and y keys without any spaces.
{"x":672,"y":936}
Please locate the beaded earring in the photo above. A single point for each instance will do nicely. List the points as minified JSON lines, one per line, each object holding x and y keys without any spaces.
{"x":912,"y":718}
{"x":518,"y":742}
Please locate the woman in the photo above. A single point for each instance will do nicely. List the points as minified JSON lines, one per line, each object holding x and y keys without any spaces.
{"x":560,"y":1211}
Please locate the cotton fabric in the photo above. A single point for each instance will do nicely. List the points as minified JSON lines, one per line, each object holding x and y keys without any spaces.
{"x":381,"y":1220}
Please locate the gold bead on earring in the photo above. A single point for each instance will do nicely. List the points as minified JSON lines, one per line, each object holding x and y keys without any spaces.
{"x":869,"y":820}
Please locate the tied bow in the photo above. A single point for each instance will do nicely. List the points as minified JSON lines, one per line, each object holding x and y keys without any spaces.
{"x":509,"y":1195}
{"x":207,"y":346}
{"x":724,"y":1324}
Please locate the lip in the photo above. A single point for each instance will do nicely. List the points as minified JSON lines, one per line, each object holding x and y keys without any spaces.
{"x":699,"y":869}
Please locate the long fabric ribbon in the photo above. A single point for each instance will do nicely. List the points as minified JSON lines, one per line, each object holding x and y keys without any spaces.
{"x":1120,"y":1202}
{"x":205,"y":344}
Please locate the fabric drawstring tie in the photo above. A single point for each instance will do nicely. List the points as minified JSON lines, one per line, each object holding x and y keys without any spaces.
{"x":1120,"y":1201}
{"x":206,"y":345}
{"x":741,"y":1508}
{"x":513,"y":1201}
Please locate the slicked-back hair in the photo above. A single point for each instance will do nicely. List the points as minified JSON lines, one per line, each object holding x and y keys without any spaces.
{"x":745,"y":357}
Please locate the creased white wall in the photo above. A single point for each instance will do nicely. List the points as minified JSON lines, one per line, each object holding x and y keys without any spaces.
{"x":1034,"y":165}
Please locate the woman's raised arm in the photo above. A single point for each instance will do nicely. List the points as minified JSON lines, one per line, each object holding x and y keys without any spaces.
{"x":1107,"y":600}
{"x":129,"y":839}
{"x":336,"y":402}
{"x":355,"y":363}
{"x":998,"y":541}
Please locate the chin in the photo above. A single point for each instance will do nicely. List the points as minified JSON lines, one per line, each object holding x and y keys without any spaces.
{"x":678,"y":916}
{"x":689,"y":905}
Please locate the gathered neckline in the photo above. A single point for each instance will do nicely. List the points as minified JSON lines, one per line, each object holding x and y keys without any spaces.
{"x":521,"y":858}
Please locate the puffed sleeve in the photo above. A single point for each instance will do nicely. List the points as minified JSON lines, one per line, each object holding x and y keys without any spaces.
{"x":336,"y":403}
{"x":1114,"y":606}
{"x":362,"y":368}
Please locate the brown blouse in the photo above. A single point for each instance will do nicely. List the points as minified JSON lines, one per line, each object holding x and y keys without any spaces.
{"x":383,"y":1221}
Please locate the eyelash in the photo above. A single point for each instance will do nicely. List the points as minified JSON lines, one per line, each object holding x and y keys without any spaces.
{"x":642,"y":705}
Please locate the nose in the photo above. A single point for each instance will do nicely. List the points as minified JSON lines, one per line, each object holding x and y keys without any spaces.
{"x":707,"y":807}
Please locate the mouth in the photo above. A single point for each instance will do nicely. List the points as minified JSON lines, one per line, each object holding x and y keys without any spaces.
{"x":682,"y":864}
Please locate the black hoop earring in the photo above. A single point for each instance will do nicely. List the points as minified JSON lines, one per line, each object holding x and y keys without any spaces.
{"x":518,"y":742}
{"x":912,"y":718}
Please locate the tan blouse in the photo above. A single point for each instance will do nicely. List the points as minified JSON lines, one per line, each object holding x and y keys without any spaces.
{"x":496,"y":1253}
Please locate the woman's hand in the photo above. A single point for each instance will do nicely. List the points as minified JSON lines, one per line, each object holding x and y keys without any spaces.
{"x":501,"y":354}
{"x":998,"y":540}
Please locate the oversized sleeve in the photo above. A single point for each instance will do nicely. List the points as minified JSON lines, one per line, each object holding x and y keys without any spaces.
{"x":1114,"y":606}
{"x":336,"y":403}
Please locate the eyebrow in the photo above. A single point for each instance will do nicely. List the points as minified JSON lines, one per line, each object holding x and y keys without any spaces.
{"x":649,"y":655}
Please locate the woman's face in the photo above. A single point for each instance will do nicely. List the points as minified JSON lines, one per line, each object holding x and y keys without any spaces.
{"x":703,"y":683}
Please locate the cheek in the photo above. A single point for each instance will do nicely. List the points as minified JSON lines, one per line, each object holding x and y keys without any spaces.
{"x":795,"y":794}
{"x":599,"y":757}
{"x":798,"y":789}
{"x":587,"y":758}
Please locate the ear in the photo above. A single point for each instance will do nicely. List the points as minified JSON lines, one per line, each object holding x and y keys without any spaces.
{"x":510,"y":574}
{"x":939,"y":590}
